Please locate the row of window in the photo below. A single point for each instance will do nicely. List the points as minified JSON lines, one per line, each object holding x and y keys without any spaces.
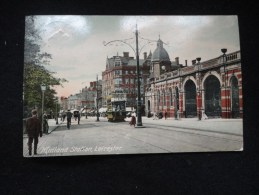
{"x":120,"y":72}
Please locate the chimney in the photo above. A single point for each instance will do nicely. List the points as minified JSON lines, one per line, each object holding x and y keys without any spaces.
{"x":145,"y":55}
{"x":186,"y":63}
{"x":126,"y":54}
{"x":193,"y":62}
{"x":177,"y":61}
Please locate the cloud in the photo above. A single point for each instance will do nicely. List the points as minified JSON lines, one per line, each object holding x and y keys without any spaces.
{"x":76,"y":42}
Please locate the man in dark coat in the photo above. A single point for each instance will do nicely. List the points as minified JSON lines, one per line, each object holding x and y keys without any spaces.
{"x":78,"y":116}
{"x":69,"y":116}
{"x":33,"y":128}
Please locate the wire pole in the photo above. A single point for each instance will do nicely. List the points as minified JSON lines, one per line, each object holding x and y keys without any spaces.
{"x":97,"y":113}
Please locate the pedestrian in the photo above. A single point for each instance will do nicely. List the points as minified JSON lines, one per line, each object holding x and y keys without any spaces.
{"x":133,"y":120}
{"x":165,"y":115}
{"x":78,"y":117}
{"x":33,"y":128}
{"x":75,"y":115}
{"x":69,"y":116}
{"x":45,"y":123}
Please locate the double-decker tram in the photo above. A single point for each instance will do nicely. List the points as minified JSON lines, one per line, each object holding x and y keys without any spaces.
{"x":116,"y":106}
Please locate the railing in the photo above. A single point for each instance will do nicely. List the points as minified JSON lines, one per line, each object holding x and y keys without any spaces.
{"x":203,"y":66}
{"x":188,"y":70}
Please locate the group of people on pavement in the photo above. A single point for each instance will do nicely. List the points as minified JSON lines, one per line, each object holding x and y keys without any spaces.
{"x":160,"y":115}
{"x":69,"y":116}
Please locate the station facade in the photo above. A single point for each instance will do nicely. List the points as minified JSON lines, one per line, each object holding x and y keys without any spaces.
{"x":206,"y":89}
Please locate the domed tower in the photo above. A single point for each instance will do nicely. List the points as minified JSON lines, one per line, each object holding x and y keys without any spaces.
{"x":160,"y":58}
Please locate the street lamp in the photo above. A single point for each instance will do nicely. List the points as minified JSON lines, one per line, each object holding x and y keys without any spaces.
{"x":97,"y":113}
{"x":139,"y":119}
{"x":224,"y":51}
{"x":56,"y":110}
{"x":43,"y":89}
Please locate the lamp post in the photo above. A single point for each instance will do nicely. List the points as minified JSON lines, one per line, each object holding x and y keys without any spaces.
{"x":224,"y":51}
{"x":199,"y":90}
{"x":139,"y":118}
{"x":56,"y":110}
{"x":43,"y":89}
{"x":97,"y":112}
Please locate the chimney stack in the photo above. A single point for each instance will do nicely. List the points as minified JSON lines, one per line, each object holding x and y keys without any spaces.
{"x":145,"y":55}
{"x":193,"y":62}
{"x":186,"y":63}
{"x":177,"y":61}
{"x":126,"y":54}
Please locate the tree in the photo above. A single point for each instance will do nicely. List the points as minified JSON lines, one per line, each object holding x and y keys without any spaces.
{"x":35,"y":72}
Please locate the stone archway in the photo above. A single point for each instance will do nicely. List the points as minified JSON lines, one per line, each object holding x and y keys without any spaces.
{"x":212,"y":96}
{"x":190,"y":99}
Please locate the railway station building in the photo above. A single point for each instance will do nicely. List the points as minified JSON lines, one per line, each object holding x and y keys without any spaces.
{"x":204,"y":89}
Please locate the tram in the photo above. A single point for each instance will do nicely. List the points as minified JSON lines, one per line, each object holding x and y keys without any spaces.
{"x":116,"y":106}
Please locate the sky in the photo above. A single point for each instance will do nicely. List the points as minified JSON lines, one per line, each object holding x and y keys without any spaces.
{"x":76,"y":42}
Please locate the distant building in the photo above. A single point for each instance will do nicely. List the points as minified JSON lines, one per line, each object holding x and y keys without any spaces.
{"x":63,"y":103}
{"x":74,"y":101}
{"x":89,"y":96}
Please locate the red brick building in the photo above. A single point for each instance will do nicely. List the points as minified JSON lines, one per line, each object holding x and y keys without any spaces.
{"x":121,"y":73}
{"x":211,"y":88}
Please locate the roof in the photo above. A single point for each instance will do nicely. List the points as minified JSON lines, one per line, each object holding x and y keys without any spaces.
{"x":160,"y":54}
{"x":134,"y":62}
{"x":125,"y":61}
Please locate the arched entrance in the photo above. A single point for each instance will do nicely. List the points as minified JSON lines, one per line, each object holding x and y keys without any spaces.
{"x":212,"y":96}
{"x":234,"y":97}
{"x":190,"y":99}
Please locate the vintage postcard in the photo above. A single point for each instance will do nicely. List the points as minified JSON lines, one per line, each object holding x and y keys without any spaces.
{"x":102,"y":85}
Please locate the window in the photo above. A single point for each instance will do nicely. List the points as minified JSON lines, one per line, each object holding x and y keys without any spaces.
{"x":117,"y":81}
{"x":117,"y":72}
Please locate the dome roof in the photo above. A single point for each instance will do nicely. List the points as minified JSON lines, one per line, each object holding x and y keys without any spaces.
{"x":160,"y":54}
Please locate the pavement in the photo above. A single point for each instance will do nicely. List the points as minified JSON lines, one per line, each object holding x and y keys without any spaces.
{"x":226,"y":126}
{"x":157,"y":136}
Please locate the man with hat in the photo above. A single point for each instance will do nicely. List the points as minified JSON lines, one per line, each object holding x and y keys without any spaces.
{"x":33,"y":128}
